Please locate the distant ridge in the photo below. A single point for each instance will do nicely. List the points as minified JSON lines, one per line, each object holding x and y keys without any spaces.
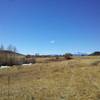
{"x":97,"y":53}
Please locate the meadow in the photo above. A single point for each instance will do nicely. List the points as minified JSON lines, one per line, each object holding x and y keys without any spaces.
{"x":75,"y":79}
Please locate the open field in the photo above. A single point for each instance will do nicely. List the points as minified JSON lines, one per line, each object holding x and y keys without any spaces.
{"x":76,"y":79}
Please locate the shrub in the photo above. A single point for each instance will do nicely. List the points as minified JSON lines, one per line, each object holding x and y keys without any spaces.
{"x":29,"y":59}
{"x":68,"y":56}
{"x":57,"y":57}
{"x":95,"y":63}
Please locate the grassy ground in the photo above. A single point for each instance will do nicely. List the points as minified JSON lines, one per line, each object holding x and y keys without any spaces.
{"x":77,"y":79}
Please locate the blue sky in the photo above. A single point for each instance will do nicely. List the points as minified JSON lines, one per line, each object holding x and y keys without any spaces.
{"x":50,"y":26}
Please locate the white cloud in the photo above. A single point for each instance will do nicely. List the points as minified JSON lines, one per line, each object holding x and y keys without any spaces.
{"x":52,"y":41}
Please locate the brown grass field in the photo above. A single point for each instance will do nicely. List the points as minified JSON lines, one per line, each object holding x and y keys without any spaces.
{"x":76,"y":79}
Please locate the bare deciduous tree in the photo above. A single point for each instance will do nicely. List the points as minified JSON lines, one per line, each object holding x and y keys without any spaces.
{"x":1,"y":47}
{"x":10,"y":48}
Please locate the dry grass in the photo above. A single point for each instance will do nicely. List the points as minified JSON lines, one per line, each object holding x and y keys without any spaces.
{"x":76,"y":79}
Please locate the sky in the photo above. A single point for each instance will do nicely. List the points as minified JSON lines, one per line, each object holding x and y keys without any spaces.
{"x":50,"y":26}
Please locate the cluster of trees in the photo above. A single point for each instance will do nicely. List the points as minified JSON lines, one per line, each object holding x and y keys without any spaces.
{"x":9,"y":48}
{"x":9,"y":57}
{"x":68,"y":56}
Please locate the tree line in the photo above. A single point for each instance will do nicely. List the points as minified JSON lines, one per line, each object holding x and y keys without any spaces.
{"x":9,"y":57}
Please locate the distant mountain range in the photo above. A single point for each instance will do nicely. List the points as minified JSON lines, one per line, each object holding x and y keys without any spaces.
{"x":97,"y":53}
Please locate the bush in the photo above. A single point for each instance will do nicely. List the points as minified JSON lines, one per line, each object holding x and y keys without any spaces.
{"x":29,"y":60}
{"x":68,"y":56}
{"x":57,"y":57}
{"x":95,"y":63}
